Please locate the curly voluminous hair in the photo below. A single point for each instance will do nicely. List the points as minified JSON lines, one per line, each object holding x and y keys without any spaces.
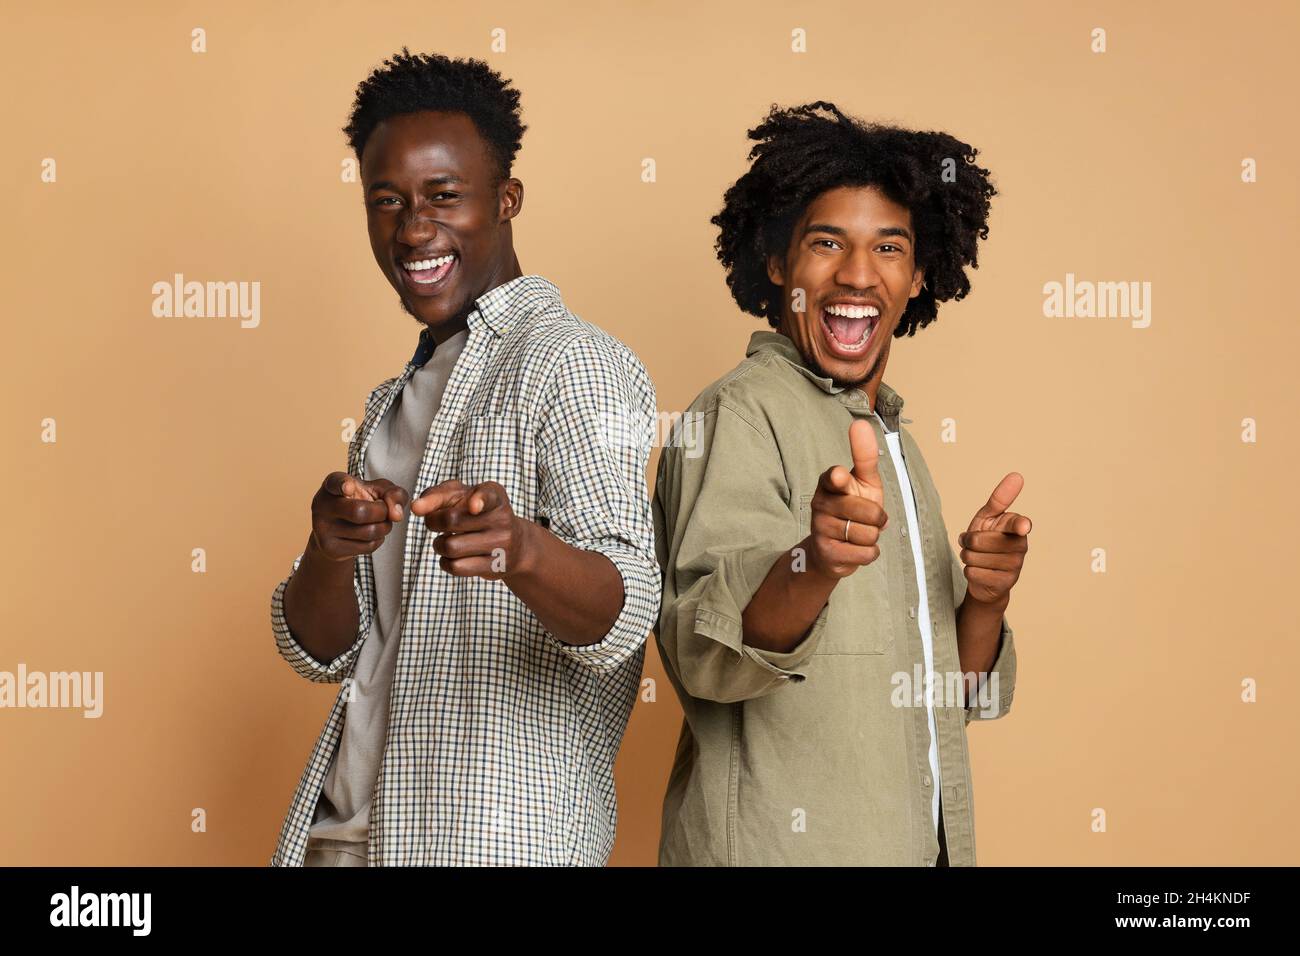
{"x":800,"y":153}
{"x":407,"y":83}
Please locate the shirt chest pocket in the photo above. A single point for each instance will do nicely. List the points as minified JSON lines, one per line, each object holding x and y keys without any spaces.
{"x":500,"y":448}
{"x":859,"y":621}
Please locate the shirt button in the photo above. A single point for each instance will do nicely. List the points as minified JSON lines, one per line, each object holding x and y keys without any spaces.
{"x":911,"y":612}
{"x":904,"y":531}
{"x":926,"y":781}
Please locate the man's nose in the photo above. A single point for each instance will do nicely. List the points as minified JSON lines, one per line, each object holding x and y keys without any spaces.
{"x":415,"y":228}
{"x":858,"y":270}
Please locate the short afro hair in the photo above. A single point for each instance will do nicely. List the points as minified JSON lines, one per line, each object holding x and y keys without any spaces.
{"x":407,"y":83}
{"x":801,"y":153}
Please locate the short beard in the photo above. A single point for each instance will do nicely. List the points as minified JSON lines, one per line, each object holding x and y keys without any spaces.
{"x":816,"y":366}
{"x":842,"y":383}
{"x":465,"y":309}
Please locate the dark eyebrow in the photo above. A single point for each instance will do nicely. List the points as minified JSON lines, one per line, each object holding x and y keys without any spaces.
{"x":837,"y":231}
{"x":447,"y":180}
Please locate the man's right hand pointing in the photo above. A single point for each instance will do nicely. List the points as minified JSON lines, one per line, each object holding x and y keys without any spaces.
{"x":848,"y":509}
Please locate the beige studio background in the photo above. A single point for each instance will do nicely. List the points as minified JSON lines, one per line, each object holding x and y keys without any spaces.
{"x":175,"y":434}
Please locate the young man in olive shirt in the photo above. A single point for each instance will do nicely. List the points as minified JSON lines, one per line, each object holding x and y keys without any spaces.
{"x":804,"y":600}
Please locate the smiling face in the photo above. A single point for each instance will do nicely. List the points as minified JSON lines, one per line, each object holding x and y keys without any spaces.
{"x":852,"y":254}
{"x":439,"y":223}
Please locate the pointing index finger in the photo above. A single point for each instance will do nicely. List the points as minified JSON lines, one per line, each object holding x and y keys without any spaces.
{"x":438,"y":496}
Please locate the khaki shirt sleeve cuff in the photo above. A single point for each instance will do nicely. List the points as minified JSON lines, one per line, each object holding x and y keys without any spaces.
{"x":788,"y":664}
{"x":996,"y":696}
{"x":714,"y":660}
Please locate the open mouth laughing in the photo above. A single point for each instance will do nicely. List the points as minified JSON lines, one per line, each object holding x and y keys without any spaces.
{"x":848,"y":328}
{"x":428,"y":276}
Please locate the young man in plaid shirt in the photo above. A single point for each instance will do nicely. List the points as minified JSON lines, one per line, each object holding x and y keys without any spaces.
{"x":482,"y":578}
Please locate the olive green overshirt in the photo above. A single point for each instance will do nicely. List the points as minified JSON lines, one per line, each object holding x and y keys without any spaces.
{"x":813,"y":756}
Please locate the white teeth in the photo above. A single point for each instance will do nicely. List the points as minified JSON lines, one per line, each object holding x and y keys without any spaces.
{"x":425,"y":264}
{"x":853,"y":311}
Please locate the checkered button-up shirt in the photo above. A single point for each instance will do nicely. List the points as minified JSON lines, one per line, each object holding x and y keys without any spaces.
{"x":501,"y":738}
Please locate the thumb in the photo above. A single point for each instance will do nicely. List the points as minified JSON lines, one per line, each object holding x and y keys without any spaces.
{"x":348,"y":486}
{"x":485,"y":497}
{"x":865,"y":452}
{"x":1002,"y":498}
{"x":395,"y":496}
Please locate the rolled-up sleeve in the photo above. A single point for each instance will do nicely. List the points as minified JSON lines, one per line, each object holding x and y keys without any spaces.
{"x":593,"y":447}
{"x":1001,"y":681}
{"x":298,"y":657}
{"x":722,"y":520}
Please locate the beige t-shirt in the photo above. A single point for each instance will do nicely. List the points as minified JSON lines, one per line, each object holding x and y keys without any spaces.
{"x":342,"y":819}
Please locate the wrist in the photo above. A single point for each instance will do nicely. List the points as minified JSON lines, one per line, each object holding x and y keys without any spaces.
{"x":988,"y":608}
{"x":314,"y":557}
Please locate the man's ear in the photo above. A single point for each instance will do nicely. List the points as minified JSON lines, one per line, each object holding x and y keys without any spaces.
{"x":510,"y":198}
{"x":918,"y":280}
{"x":776,"y":269}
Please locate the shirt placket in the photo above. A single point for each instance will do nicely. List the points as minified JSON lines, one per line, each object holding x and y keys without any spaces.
{"x":954,"y":759}
{"x":906,"y":617}
{"x":921,"y":706}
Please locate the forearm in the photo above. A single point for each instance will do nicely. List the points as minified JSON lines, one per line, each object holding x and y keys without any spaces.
{"x":320,"y":604}
{"x":786,"y":604}
{"x":979,"y":629}
{"x":576,"y":594}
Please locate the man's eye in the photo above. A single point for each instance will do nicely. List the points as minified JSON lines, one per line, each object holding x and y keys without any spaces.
{"x":829,"y":242}
{"x":447,"y":195}
{"x":889,"y":246}
{"x":383,"y":199}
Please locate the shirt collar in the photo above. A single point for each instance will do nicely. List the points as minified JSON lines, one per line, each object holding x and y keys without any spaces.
{"x":494,"y":309}
{"x":888,"y":402}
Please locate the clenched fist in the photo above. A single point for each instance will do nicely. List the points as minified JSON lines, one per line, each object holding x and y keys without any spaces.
{"x":352,"y":516}
{"x":848,"y":509}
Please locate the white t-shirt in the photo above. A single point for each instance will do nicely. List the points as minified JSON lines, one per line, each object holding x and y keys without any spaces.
{"x":923,"y":608}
